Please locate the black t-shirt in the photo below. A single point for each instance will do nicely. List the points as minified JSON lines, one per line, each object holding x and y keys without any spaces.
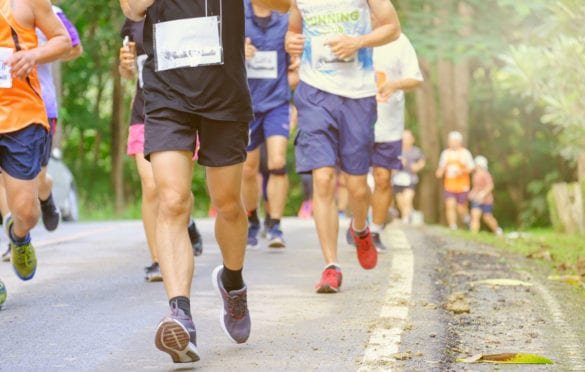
{"x":218,"y":92}
{"x":134,"y":32}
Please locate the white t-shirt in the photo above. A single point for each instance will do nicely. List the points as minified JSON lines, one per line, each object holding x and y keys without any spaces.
{"x":393,"y":62}
{"x":323,"y":19}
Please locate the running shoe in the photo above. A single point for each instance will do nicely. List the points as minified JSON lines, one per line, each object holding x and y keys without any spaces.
{"x":377,"y":239}
{"x":50,"y":214}
{"x":153,"y":273}
{"x":196,"y":239}
{"x":253,"y":231}
{"x":276,"y":237}
{"x":234,"y":316}
{"x":176,"y":336}
{"x":331,"y":279}
{"x":306,"y":211}
{"x":366,"y":250}
{"x":6,"y":254}
{"x":349,"y":237}
{"x":265,"y":228}
{"x":23,"y":257}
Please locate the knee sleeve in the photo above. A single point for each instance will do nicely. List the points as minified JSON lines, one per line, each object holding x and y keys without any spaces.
{"x":279,"y":172}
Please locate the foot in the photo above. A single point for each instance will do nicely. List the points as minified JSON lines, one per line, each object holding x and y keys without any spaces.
{"x":234,"y":316}
{"x":50,"y":214}
{"x":275,"y":238}
{"x":366,"y":250}
{"x":377,"y":239}
{"x":176,"y":336}
{"x":196,"y":239}
{"x":306,"y":211}
{"x":349,"y":237}
{"x":153,"y":273}
{"x":330,"y":280}
{"x":6,"y":254}
{"x":253,"y":231}
{"x":23,"y":256}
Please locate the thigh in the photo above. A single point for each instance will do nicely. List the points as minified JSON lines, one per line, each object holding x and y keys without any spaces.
{"x":276,"y":147}
{"x":172,"y":171}
{"x":22,"y":152}
{"x":356,"y":118}
{"x":225,"y":183}
{"x":20,"y":192}
{"x":170,"y":130}
{"x":222,"y":143}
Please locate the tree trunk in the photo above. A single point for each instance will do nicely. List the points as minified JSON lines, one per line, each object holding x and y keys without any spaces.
{"x":117,"y":130}
{"x":426,"y":111}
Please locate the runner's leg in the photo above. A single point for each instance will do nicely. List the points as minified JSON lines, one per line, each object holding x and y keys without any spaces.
{"x":149,"y":203}
{"x":251,"y":195}
{"x":451,"y":212}
{"x":359,"y":200}
{"x":45,"y":184}
{"x":381,"y":197}
{"x":408,"y":203}
{"x":325,"y":212}
{"x":491,"y":222}
{"x":3,"y":202}
{"x":22,"y":197}
{"x":476,"y":220}
{"x":278,"y":180}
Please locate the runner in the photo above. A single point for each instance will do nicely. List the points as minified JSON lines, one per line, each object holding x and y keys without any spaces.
{"x":405,"y":182}
{"x":267,"y":65}
{"x":455,"y":166}
{"x":337,"y":111}
{"x":397,"y":72}
{"x":23,"y":118}
{"x":132,"y":58}
{"x":482,"y":198}
{"x":195,"y":83}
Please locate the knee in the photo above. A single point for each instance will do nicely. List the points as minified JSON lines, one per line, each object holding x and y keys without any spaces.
{"x":277,"y":165}
{"x":382,"y":180}
{"x":250,"y":172}
{"x":149,"y":190}
{"x":173,"y":203}
{"x":26,"y":208}
{"x":358,"y":190}
{"x":324,"y":184}
{"x":229,"y":207}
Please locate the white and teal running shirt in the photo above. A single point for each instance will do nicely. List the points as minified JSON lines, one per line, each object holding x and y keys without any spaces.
{"x":320,"y":68}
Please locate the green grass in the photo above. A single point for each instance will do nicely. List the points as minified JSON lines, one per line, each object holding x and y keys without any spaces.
{"x":565,"y":249}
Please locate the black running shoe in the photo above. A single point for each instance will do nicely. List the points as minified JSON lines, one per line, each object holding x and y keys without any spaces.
{"x":378,"y":242}
{"x":51,"y":214}
{"x":153,"y":273}
{"x":196,"y":239}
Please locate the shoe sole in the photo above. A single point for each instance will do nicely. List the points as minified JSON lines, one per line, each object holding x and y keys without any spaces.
{"x":50,"y":227}
{"x":154,"y":279}
{"x":214,"y":280}
{"x":327,"y":289}
{"x":276,"y":244}
{"x":173,"y":339}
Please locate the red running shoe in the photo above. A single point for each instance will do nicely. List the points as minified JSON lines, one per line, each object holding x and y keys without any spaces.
{"x":330,"y":280}
{"x":366,"y":250}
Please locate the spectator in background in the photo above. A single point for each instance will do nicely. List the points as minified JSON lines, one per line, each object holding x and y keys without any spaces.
{"x":482,"y":198}
{"x":405,"y":181}
{"x":455,"y":167}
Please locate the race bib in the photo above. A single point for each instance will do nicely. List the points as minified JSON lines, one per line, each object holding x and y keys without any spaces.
{"x":323,"y":58}
{"x":140,"y":61}
{"x":5,"y":73}
{"x":402,"y":179}
{"x":188,"y":42}
{"x":264,"y":65}
{"x":453,"y":171}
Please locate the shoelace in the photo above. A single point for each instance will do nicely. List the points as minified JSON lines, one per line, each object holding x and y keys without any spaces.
{"x":238,"y":306}
{"x":23,"y":256}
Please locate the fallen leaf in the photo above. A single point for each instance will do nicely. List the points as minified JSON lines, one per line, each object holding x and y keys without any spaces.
{"x":504,"y":283}
{"x":569,"y":279}
{"x":458,"y":304}
{"x":509,"y":358}
{"x":541,"y":255}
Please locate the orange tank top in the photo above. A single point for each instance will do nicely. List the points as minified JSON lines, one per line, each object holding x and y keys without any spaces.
{"x":21,"y":104}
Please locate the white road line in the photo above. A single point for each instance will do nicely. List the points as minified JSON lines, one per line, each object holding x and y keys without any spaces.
{"x":386,"y":337}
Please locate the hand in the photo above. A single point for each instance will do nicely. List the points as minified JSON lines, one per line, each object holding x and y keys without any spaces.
{"x":294,"y":44}
{"x":250,"y":49}
{"x":295,"y":63}
{"x":127,"y":59}
{"x":386,"y":91}
{"x":343,"y":46}
{"x":22,"y":63}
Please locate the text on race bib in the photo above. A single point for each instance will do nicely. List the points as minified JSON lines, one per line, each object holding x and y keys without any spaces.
{"x":5,"y":73}
{"x":264,"y":65}
{"x":323,"y":58}
{"x":188,"y":42}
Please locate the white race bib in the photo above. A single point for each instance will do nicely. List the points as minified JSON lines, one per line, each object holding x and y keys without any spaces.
{"x":140,"y":61}
{"x":5,"y":73}
{"x":264,"y":65}
{"x":188,"y":42}
{"x":402,"y":179}
{"x":323,"y":58}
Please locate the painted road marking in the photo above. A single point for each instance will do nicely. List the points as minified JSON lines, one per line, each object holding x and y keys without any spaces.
{"x":385,"y":341}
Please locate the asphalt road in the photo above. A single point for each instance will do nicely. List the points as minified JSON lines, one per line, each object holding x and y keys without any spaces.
{"x":89,"y":309}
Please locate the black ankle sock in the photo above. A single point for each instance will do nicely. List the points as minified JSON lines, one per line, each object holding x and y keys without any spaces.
{"x":253,"y":217}
{"x":273,"y":222}
{"x":232,"y":280}
{"x":49,"y":200}
{"x":182,"y":303}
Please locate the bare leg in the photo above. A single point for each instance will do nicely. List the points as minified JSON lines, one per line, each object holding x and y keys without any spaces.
{"x":342,"y":195}
{"x":359,"y":200}
{"x":491,"y":222}
{"x":45,"y":184}
{"x":475,"y":220}
{"x":23,"y":202}
{"x":149,"y":203}
{"x":382,"y":196}
{"x":463,"y":212}
{"x":172,"y":172}
{"x":3,"y":202}
{"x":250,"y":184}
{"x":231,"y":226}
{"x":408,"y":203}
{"x":325,"y":212}
{"x":451,"y":211}
{"x":277,"y":183}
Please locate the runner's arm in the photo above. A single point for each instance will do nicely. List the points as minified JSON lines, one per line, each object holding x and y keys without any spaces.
{"x":77,"y":49}
{"x":295,"y":40}
{"x":418,"y":166}
{"x":391,"y":87}
{"x":280,"y":5}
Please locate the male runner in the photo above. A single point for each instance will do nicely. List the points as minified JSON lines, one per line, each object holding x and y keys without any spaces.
{"x":195,"y":83}
{"x":337,"y":111}
{"x":132,"y":58}
{"x":397,"y":72}
{"x":455,"y":167}
{"x":267,"y":64}
{"x":23,"y":118}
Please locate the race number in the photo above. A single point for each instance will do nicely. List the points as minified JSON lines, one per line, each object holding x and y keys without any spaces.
{"x":5,"y":73}
{"x":188,"y":42}
{"x":264,"y":65}
{"x":323,"y":58}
